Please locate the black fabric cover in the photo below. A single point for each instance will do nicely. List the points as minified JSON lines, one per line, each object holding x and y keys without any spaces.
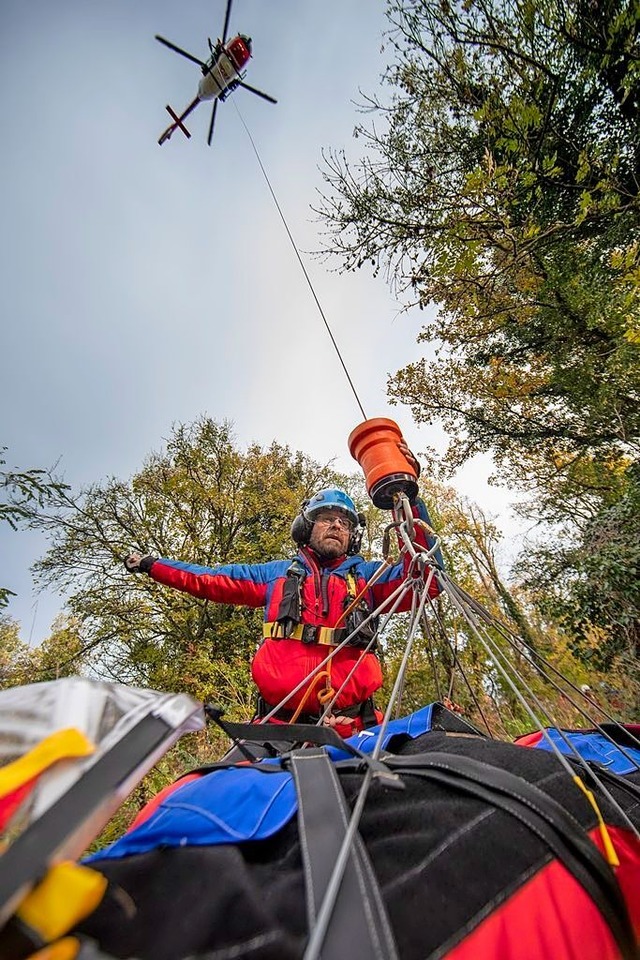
{"x":443,"y":860}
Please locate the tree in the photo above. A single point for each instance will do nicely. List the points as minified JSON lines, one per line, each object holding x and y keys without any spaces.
{"x":20,"y":492}
{"x":59,"y":655}
{"x":591,"y":585}
{"x":504,"y":188}
{"x":13,"y":654}
{"x":202,"y":499}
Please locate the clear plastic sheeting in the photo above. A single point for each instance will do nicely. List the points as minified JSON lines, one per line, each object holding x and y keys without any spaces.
{"x":103,"y":712}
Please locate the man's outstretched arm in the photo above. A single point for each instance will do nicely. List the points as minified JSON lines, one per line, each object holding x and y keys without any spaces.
{"x":242,"y":583}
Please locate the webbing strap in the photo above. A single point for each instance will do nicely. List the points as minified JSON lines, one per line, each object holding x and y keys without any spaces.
{"x":359,"y":915}
{"x":545,"y":817}
{"x":327,"y":636}
{"x":304,"y":733}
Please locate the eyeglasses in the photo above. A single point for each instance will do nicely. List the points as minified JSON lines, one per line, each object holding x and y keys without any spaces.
{"x":343,"y":522}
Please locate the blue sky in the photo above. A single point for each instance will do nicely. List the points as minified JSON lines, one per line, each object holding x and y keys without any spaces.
{"x":145,"y":285}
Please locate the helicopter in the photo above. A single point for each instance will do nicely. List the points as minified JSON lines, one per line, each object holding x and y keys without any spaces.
{"x":221,"y":74}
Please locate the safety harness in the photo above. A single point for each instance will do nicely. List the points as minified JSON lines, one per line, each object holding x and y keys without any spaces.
{"x":328,"y":636}
{"x":287,"y":624}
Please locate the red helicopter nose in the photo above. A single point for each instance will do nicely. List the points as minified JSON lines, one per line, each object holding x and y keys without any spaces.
{"x":239,"y":49}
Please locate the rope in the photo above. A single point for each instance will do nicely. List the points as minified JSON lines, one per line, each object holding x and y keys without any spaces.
{"x":323,"y":675}
{"x":300,"y":261}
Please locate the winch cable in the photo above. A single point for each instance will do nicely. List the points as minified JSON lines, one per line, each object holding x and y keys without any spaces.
{"x":516,"y":642}
{"x":431,"y":654}
{"x":518,"y":684}
{"x":418,"y":603}
{"x":318,"y":933}
{"x":401,"y":675}
{"x":379,"y":611}
{"x":300,"y":260}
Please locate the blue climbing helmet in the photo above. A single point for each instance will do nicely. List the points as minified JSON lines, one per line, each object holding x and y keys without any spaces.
{"x":331,"y":499}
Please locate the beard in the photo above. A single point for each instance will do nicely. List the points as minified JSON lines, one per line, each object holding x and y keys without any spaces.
{"x":328,"y":547}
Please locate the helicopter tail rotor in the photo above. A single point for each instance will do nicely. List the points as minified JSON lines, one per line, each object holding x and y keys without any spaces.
{"x":178,"y":121}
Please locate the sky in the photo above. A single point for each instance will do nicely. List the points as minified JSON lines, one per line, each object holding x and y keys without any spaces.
{"x":143,"y":286}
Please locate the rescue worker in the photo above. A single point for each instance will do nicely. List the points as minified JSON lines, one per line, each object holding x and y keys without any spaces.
{"x":304,"y":601}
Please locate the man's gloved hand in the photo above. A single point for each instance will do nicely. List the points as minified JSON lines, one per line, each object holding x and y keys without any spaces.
{"x":408,"y":455}
{"x":136,"y":563}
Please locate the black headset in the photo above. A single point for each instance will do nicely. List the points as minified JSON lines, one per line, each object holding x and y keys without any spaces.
{"x":303,"y":525}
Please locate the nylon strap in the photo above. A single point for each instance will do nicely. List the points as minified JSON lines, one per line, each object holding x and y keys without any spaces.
{"x":298,"y":733}
{"x":327,"y":636}
{"x":359,"y":915}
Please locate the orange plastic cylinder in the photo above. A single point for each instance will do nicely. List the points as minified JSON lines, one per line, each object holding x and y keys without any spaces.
{"x":374,"y":444}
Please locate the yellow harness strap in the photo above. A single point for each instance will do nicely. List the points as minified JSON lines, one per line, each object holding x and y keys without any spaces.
{"x":323,"y":635}
{"x":609,"y":849}
{"x":352,"y":585}
{"x":67,"y":744}
{"x":327,"y":636}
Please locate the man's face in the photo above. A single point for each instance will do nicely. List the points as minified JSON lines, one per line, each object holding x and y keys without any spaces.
{"x":330,"y":535}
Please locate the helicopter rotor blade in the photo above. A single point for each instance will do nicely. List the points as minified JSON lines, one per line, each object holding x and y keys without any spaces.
{"x":226,"y":21}
{"x":258,"y":93}
{"x":179,"y":50}
{"x":213,"y":120}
